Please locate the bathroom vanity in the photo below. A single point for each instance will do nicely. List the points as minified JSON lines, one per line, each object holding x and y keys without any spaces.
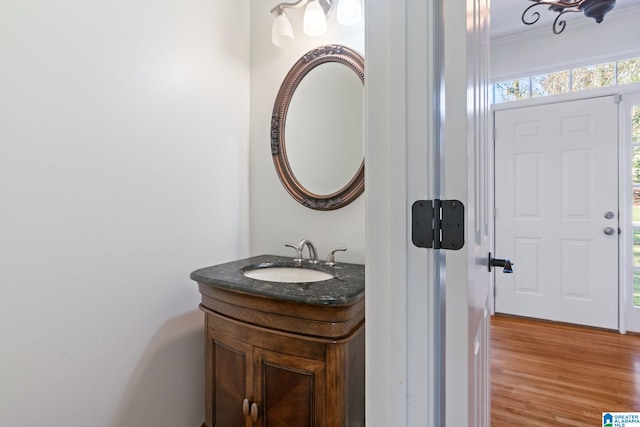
{"x":283,"y":353}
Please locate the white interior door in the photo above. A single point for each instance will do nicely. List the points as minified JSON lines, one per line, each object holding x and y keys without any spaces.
{"x":556,"y":196}
{"x":467,"y":143}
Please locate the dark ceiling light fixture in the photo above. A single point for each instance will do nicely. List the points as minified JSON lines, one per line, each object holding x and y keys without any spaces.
{"x":595,"y":9}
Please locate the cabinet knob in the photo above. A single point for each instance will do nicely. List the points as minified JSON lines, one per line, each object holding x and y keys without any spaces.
{"x":254,"y":412}
{"x":245,"y":407}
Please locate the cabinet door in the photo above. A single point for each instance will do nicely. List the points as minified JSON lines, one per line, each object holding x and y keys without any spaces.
{"x":230,"y":370}
{"x":291,"y":390}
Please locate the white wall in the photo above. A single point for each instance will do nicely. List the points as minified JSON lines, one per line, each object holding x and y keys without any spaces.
{"x":583,"y":42}
{"x":123,"y":167}
{"x":276,"y":218}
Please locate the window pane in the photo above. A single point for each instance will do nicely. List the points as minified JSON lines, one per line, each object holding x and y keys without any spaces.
{"x":636,"y":282}
{"x":629,"y":71}
{"x":512,"y":90}
{"x":636,"y":265}
{"x":636,"y":247}
{"x":636,"y":167}
{"x":550,"y":84}
{"x":636,"y":207}
{"x":635,"y":125}
{"x":593,"y":76}
{"x":635,"y":119}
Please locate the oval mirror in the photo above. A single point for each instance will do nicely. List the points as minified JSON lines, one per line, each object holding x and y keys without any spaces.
{"x":317,"y":128}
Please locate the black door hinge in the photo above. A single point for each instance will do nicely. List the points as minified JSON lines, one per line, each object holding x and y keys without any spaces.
{"x":438,"y":224}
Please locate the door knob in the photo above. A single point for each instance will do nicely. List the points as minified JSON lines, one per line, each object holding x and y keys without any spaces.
{"x":254,"y":412}
{"x":506,"y":264}
{"x":245,"y":407}
{"x":609,"y":231}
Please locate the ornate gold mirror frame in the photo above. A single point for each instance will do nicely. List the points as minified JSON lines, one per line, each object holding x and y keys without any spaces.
{"x":312,"y":59}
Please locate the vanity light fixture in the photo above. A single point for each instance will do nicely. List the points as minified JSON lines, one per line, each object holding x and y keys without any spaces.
{"x":315,"y":18}
{"x":595,"y":9}
{"x":281,"y":31}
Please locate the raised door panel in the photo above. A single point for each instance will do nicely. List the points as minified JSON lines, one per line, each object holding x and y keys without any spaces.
{"x":292,"y":390}
{"x":231,"y":371}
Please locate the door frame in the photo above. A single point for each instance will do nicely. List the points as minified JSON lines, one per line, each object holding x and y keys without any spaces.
{"x":404,"y":306}
{"x":625,"y":261}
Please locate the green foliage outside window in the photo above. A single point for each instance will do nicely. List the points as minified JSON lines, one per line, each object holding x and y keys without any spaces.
{"x":635,"y":125}
{"x":512,"y":90}
{"x":635,"y":140}
{"x":594,"y":76}
{"x":629,"y":71}
{"x":550,"y":84}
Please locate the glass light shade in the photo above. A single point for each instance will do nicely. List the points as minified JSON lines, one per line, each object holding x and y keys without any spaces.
{"x":281,"y":31}
{"x":314,"y":22}
{"x":349,"y":12}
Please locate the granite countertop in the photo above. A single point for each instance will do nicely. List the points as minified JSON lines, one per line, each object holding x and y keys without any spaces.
{"x":346,"y":287}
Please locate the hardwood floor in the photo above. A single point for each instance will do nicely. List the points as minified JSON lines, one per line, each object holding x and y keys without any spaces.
{"x":550,"y":374}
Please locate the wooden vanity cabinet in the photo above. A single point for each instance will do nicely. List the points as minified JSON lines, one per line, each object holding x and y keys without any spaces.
{"x":257,"y":376}
{"x":287,"y":390}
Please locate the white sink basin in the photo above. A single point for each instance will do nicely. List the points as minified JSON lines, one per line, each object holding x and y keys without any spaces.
{"x":287,"y":274}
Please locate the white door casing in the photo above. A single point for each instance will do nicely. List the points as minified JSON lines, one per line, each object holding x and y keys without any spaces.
{"x":556,"y":184}
{"x":404,"y":40}
{"x":403,"y":341}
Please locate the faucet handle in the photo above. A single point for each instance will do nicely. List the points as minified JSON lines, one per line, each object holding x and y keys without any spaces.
{"x":331,"y":258}
{"x":298,"y":250}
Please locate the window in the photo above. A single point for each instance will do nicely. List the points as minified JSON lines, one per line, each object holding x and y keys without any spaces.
{"x":635,"y":140}
{"x":629,"y":71}
{"x":550,"y":84}
{"x":593,"y":76}
{"x":512,"y":90}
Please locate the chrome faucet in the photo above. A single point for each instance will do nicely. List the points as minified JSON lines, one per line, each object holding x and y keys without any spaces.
{"x":298,"y":250}
{"x":313,"y":254}
{"x":331,"y":258}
